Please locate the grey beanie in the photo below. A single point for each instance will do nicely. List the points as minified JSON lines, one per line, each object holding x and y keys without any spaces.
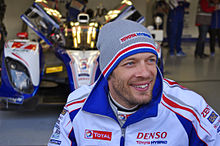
{"x":120,"y":39}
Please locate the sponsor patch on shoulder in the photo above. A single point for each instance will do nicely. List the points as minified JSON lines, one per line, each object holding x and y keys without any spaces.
{"x":218,"y":130}
{"x":217,"y":124}
{"x":63,"y":112}
{"x":99,"y":135}
{"x":212,"y":117}
{"x":56,"y":134}
{"x":206,"y":111}
{"x":55,"y":141}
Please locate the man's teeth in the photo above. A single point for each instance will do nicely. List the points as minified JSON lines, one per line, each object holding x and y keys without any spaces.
{"x":142,"y":86}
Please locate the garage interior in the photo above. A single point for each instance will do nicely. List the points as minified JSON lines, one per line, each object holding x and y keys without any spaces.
{"x":199,"y":75}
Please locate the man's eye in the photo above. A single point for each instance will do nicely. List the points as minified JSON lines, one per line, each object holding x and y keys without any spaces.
{"x":152,"y":60}
{"x":129,"y":63}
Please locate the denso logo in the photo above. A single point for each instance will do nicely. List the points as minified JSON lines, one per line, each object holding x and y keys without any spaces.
{"x":152,"y":135}
{"x":101,"y":135}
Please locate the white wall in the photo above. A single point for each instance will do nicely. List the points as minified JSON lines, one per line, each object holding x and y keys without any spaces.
{"x":190,"y":30}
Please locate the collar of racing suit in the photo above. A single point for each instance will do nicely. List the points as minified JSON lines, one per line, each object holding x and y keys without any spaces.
{"x":98,"y":103}
{"x":121,"y":112}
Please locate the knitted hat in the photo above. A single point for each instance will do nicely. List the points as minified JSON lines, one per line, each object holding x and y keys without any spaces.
{"x":120,"y":39}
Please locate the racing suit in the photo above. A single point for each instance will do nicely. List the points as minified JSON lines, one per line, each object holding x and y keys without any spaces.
{"x":175,"y":116}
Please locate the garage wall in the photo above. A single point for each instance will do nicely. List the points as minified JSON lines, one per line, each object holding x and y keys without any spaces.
{"x":16,"y":7}
{"x":12,"y":19}
{"x":190,"y":30}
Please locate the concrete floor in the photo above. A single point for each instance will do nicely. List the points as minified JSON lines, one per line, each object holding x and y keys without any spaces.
{"x":31,"y":128}
{"x":34,"y":128}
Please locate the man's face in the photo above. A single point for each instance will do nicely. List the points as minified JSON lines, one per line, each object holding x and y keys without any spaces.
{"x":132,"y":81}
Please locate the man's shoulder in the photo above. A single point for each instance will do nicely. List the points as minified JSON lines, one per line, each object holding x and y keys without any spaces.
{"x":182,"y":95}
{"x":182,"y":100}
{"x":190,"y":106}
{"x":77,"y":98}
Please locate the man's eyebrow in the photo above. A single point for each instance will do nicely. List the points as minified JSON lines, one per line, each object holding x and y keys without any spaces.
{"x":128,"y":59}
{"x":133,"y":58}
{"x":152,"y":56}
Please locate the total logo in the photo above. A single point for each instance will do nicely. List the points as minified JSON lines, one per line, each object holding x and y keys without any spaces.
{"x":83,"y":65}
{"x":100,"y":135}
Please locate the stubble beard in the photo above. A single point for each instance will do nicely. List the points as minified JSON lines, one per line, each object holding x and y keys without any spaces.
{"x":123,"y":93}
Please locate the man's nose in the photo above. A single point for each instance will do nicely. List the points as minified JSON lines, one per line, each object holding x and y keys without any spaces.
{"x":143,"y":70}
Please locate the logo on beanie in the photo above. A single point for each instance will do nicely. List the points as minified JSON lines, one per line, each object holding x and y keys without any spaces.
{"x":134,"y":35}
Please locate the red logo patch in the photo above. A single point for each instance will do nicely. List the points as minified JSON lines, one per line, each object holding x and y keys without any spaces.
{"x":206,"y":111}
{"x":101,"y":135}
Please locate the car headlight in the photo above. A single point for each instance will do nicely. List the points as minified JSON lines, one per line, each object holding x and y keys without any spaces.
{"x":19,"y":76}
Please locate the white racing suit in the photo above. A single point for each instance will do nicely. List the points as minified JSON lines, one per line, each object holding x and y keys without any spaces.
{"x":176,"y":116}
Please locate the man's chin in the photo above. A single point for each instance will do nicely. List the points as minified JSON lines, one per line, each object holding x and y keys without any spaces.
{"x":143,"y":99}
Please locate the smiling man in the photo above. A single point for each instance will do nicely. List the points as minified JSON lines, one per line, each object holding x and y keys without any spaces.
{"x":131,"y":104}
{"x":132,"y":81}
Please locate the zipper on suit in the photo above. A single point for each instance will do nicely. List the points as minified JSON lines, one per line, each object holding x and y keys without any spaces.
{"x":122,"y":142}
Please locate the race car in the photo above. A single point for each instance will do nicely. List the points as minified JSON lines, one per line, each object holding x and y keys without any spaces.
{"x":64,"y":57}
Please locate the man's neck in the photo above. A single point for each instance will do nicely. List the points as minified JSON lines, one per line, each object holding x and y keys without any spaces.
{"x":121,"y":112}
{"x":120,"y":107}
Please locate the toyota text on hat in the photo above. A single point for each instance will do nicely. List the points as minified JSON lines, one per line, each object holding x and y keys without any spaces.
{"x":133,"y":35}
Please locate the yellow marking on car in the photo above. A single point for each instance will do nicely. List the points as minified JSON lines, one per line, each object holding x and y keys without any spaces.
{"x":54,"y":69}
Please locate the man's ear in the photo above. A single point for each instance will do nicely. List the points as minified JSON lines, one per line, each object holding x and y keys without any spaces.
{"x":110,"y":76}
